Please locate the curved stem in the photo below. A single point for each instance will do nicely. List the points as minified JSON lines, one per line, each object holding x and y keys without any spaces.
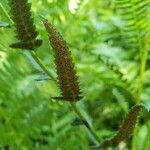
{"x":6,"y":13}
{"x":144,"y":55}
{"x":88,"y":126}
{"x":43,"y":67}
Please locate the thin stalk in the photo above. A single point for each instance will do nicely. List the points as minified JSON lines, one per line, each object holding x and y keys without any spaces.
{"x":6,"y":13}
{"x":43,"y":67}
{"x":88,"y":126}
{"x":135,"y":132}
{"x":143,"y":59}
{"x":142,"y":71}
{"x":144,"y":55}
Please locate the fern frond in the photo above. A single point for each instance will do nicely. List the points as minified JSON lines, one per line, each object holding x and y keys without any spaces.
{"x":116,"y":69}
{"x":136,"y":28}
{"x":25,"y":28}
{"x":67,"y":77}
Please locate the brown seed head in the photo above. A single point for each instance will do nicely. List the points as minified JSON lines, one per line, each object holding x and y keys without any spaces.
{"x":67,"y":77}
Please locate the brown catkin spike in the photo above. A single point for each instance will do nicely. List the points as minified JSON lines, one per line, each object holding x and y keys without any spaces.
{"x":67,"y":77}
{"x":126,"y":128}
{"x":24,"y":24}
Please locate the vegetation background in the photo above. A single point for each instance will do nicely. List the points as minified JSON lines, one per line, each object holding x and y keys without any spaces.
{"x":31,"y":120}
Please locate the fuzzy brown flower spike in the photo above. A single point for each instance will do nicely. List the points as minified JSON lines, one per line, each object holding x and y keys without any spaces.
{"x":126,"y":128}
{"x":25,"y":28}
{"x":67,"y":77}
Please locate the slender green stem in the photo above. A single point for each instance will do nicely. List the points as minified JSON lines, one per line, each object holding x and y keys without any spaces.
{"x":88,"y":126}
{"x":6,"y":13}
{"x":144,"y":55}
{"x":134,"y":137}
{"x":39,"y":62}
{"x":142,"y":71}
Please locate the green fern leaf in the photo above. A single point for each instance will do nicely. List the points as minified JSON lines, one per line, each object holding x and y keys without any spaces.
{"x":134,"y":16}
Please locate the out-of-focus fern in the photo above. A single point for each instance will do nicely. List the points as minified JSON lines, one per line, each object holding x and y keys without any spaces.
{"x":20,"y":112}
{"x":116,"y":70}
{"x":136,"y":33}
{"x":135,"y":21}
{"x":25,"y":28}
{"x":124,"y":95}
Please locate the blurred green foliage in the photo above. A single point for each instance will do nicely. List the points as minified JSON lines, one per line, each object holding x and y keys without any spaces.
{"x":30,"y":119}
